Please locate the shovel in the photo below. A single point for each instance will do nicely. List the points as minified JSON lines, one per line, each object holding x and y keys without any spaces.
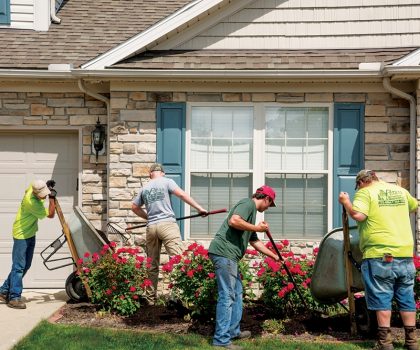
{"x":287,"y":269}
{"x":218,"y":211}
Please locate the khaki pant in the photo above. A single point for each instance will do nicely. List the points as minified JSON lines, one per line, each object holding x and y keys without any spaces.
{"x":168,"y":234}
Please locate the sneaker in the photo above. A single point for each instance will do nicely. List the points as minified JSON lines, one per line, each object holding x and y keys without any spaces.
{"x":3,"y":297}
{"x":243,"y":335}
{"x":230,"y":346}
{"x":16,"y":304}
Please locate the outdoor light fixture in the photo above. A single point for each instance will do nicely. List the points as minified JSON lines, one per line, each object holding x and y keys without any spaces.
{"x":98,"y":139}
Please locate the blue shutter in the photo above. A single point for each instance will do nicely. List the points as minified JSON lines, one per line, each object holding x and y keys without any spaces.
{"x":348,"y":153}
{"x":4,"y":11}
{"x":171,"y":148}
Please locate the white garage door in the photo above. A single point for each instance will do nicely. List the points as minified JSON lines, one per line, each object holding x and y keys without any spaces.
{"x":37,"y":155}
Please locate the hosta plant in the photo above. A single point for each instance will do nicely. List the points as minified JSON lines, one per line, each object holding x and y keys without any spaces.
{"x":117,"y":278}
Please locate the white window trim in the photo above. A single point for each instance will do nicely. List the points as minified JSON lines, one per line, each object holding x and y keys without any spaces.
{"x":258,"y":161}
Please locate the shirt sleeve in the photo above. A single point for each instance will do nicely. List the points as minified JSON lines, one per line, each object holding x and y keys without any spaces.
{"x":138,"y":200}
{"x":37,"y":209}
{"x":412,"y":202}
{"x":172,"y":186}
{"x":361,"y":202}
{"x":254,"y":237}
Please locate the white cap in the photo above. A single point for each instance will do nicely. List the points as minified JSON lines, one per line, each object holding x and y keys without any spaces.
{"x":40,"y":188}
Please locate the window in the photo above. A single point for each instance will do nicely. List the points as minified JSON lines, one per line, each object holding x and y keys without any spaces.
{"x":230,"y":156}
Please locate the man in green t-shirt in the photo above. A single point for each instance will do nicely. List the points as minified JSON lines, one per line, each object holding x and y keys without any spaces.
{"x":24,"y":230}
{"x":225,"y":251}
{"x":386,"y":241}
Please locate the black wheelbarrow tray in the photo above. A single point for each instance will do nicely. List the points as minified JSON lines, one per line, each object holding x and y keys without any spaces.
{"x":81,"y":237}
{"x":328,"y":285}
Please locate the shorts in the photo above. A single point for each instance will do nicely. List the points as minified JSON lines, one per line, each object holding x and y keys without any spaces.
{"x":387,"y":280}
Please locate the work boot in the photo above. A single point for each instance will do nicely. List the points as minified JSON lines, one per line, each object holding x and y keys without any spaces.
{"x":411,"y":338}
{"x":16,"y":304}
{"x":243,"y":335}
{"x":384,"y":339}
{"x":3,"y":297}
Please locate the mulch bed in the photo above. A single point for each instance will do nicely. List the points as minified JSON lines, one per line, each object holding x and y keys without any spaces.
{"x":157,"y":318}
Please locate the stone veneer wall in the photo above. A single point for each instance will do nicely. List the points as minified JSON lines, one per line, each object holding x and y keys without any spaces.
{"x":60,"y":110}
{"x":133,"y":139}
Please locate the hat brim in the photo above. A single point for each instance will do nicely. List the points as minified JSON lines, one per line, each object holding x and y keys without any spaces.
{"x":43,"y":193}
{"x":273,"y":204}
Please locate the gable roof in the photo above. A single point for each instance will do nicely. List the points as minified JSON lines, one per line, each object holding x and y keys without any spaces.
{"x":87,"y":29}
{"x":261,"y":59}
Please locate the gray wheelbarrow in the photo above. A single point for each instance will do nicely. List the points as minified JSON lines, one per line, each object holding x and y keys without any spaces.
{"x":81,"y":237}
{"x":329,"y":278}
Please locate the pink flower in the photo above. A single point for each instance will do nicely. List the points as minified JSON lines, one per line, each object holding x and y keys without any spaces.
{"x":87,"y":255}
{"x":80,"y":261}
{"x":122,"y":297}
{"x":167,"y":267}
{"x":132,"y":289}
{"x":113,"y":244}
{"x":135,"y":296}
{"x":105,"y":247}
{"x":285,"y":242}
{"x":190,"y":273}
{"x":211,"y":274}
{"x":108,"y":292}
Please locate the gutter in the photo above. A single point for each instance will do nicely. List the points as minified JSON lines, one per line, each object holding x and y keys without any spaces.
{"x":106,"y":100}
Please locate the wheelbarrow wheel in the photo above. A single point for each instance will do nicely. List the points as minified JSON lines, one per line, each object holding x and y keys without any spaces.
{"x":75,"y":288}
{"x":366,"y":321}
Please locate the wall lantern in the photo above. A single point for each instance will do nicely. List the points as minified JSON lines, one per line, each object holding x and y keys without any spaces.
{"x":98,"y":139}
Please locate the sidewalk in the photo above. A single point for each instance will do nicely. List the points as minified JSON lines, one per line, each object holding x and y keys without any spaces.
{"x":40,"y":304}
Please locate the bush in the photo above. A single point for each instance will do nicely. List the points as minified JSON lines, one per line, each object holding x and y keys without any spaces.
{"x":279,"y":293}
{"x":193,"y":281}
{"x":117,"y":279}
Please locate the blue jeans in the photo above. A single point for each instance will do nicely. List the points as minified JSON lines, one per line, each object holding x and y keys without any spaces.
{"x":387,"y":280}
{"x":229,"y":301}
{"x":22,"y":254}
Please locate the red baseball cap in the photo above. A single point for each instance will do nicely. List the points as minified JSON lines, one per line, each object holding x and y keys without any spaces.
{"x":268,"y":191}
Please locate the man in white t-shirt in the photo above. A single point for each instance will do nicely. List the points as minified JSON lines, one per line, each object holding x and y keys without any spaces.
{"x":161,"y":221}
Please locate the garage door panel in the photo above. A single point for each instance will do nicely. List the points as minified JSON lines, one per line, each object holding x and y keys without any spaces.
{"x":23,"y":158}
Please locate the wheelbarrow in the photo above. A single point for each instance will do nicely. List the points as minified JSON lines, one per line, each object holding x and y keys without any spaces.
{"x":334,"y":267}
{"x":81,"y":237}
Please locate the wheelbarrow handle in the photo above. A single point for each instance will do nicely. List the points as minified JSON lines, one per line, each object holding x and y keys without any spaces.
{"x":270,"y":237}
{"x":218,"y":211}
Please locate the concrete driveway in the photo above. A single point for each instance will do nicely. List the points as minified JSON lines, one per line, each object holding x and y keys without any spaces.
{"x":40,"y":305}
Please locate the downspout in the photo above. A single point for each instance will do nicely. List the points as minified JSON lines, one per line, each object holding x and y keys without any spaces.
{"x":53,"y":15}
{"x":413,"y":121}
{"x":413,"y":142}
{"x":106,"y":100}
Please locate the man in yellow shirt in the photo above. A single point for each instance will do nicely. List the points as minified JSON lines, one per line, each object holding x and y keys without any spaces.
{"x":24,"y":230}
{"x":386,"y":241}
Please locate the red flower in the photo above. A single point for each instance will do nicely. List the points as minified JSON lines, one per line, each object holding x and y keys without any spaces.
{"x":285,"y":242}
{"x":190,"y":273}
{"x":132,"y":289}
{"x":122,"y":297}
{"x":113,"y":244}
{"x":87,"y":255}
{"x":108,"y":292}
{"x":135,"y":296}
{"x":80,"y":261}
{"x":167,"y":267}
{"x":211,"y":274}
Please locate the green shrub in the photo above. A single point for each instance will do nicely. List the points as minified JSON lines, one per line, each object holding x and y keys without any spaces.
{"x":193,"y":281}
{"x":117,"y":279}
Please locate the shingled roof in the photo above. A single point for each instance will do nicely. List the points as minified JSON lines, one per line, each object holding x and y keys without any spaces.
{"x":262,"y":59}
{"x":87,"y":29}
{"x":91,"y":28}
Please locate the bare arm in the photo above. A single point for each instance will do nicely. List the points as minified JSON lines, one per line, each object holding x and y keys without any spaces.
{"x":258,"y":245}
{"x":240,"y":224}
{"x":139,"y":211}
{"x":181,"y":194}
{"x":51,"y":207}
{"x":344,"y":199}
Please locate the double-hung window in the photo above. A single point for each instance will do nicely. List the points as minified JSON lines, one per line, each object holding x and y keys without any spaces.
{"x":4,"y":12}
{"x":235,"y":148}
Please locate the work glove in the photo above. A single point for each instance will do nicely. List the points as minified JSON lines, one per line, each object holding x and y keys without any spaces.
{"x":50,"y":184}
{"x":53,"y":193}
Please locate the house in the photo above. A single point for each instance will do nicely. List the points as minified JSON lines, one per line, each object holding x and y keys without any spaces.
{"x":227,"y":94}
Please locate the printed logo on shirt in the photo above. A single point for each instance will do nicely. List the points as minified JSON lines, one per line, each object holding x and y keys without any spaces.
{"x":153,"y":195}
{"x":390,"y":198}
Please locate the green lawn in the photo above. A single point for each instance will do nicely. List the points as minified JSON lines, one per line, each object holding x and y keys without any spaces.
{"x":47,"y":336}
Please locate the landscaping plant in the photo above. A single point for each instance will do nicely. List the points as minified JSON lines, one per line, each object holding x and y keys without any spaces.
{"x":193,"y":281}
{"x":279,"y":294}
{"x":117,"y":279}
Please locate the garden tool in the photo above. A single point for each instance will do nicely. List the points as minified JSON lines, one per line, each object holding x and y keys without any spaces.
{"x":349,"y":272}
{"x":287,"y":269}
{"x":218,"y":211}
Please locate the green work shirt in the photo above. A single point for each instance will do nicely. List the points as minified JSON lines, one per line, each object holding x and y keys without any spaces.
{"x":230,"y":242}
{"x":31,"y":209}
{"x":387,"y":228}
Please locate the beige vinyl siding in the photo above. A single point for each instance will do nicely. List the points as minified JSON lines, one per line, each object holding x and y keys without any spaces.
{"x":314,"y":24}
{"x":22,"y":14}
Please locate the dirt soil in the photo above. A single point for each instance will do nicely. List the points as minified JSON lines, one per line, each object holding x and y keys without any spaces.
{"x":158,"y":318}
